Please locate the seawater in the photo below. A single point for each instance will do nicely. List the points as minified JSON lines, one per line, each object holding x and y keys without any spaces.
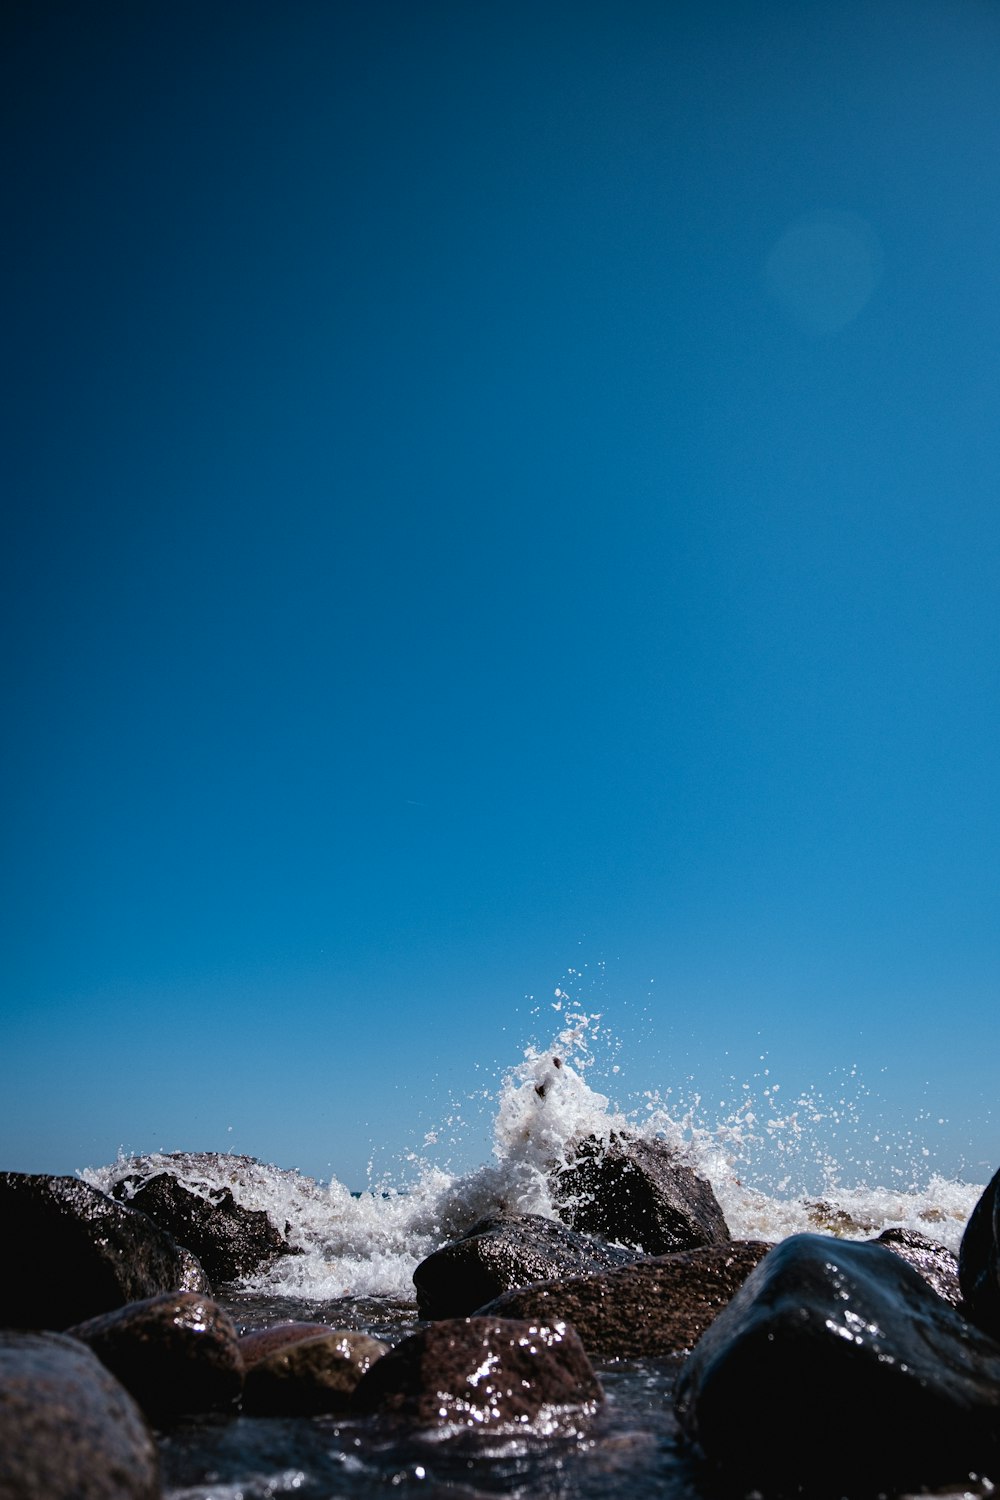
{"x":773,"y":1170}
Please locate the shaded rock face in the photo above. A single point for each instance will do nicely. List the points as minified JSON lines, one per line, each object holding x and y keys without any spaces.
{"x":636,"y":1193}
{"x":311,"y":1375}
{"x":178,"y":1354}
{"x":230,"y":1241}
{"x":835,"y":1366}
{"x":479,"y":1372}
{"x":661,"y":1305}
{"x":979,"y":1261}
{"x":936,"y":1263}
{"x":69,"y":1252}
{"x":68,"y":1430}
{"x":500,"y":1253}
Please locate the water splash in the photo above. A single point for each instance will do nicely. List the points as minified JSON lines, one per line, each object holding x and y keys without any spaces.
{"x":776,"y":1167}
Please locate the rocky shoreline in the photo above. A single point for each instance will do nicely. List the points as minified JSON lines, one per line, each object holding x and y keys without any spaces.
{"x":113,"y":1334}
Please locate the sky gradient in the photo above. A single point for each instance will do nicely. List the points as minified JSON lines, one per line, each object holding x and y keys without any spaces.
{"x":495,"y":490}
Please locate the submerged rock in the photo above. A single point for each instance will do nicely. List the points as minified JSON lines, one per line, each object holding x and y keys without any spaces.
{"x":477,"y":1372}
{"x":835,"y":1366}
{"x":637,"y":1193}
{"x":69,"y":1252}
{"x":500,"y":1253}
{"x":936,"y":1263}
{"x":178,"y":1354}
{"x":979,"y":1261}
{"x":230,"y":1241}
{"x":68,"y":1430}
{"x":660,"y":1305}
{"x":307,"y":1376}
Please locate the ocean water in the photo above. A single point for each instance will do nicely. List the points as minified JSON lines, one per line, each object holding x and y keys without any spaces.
{"x":775,"y":1171}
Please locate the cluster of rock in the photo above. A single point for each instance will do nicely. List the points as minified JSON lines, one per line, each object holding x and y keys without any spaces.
{"x":811,"y":1366}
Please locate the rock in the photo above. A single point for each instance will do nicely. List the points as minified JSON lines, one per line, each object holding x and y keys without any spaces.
{"x":500,"y":1253}
{"x":477,"y":1372}
{"x":177,"y":1354}
{"x":68,"y":1430}
{"x":979,"y":1261}
{"x":637,"y":1193}
{"x":836,"y":1368}
{"x":661,"y":1305}
{"x":230,"y":1241}
{"x":69,"y":1253}
{"x":259,"y":1343}
{"x":311,"y":1375}
{"x":936,"y":1263}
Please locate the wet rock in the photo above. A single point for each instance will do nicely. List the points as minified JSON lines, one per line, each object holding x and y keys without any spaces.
{"x":661,"y":1305}
{"x":311,"y":1375}
{"x":259,"y":1343}
{"x":230,"y":1241}
{"x":68,"y":1430}
{"x":476,"y":1372}
{"x":936,"y":1263}
{"x":69,"y":1252}
{"x":500,"y":1253}
{"x":178,"y":1354}
{"x":979,"y":1261}
{"x":836,"y":1365}
{"x":637,"y":1193}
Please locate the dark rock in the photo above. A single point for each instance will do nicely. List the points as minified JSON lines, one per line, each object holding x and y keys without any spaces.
{"x":475,"y":1372}
{"x":835,"y":1369}
{"x":661,"y":1305}
{"x":68,"y":1430}
{"x":936,"y":1263}
{"x":311,"y":1375}
{"x":178,"y":1354}
{"x":69,"y":1252}
{"x":500,"y":1253}
{"x":260,"y":1343}
{"x":637,"y":1193}
{"x":979,"y":1261}
{"x":230,"y":1241}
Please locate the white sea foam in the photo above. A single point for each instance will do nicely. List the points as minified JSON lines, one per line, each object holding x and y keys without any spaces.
{"x":757,"y":1156}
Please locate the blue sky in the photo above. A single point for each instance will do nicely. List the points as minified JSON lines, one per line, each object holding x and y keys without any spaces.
{"x":495,"y":489}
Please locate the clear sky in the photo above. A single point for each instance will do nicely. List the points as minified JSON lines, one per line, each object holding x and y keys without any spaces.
{"x":493,"y":489}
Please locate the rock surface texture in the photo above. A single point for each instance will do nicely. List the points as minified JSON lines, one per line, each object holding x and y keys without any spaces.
{"x":311,"y":1375}
{"x":936,"y":1263}
{"x":480,"y":1372}
{"x":660,"y":1305}
{"x":68,"y":1430}
{"x":177,"y":1354}
{"x":979,"y":1261}
{"x":835,"y":1366}
{"x":69,"y":1252}
{"x":637,"y":1193}
{"x":501,"y":1253}
{"x":230,"y":1241}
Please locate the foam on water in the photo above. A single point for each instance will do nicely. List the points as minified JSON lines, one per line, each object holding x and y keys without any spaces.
{"x":756,"y":1155}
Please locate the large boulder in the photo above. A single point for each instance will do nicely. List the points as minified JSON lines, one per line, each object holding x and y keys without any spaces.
{"x":178,"y":1354}
{"x":230,"y":1241}
{"x":836,"y":1368}
{"x":979,"y":1261}
{"x":68,"y":1430}
{"x":502,"y":1252}
{"x":637,"y":1193}
{"x":68,"y":1252}
{"x":480,"y":1372}
{"x":660,"y":1305}
{"x":307,"y":1376}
